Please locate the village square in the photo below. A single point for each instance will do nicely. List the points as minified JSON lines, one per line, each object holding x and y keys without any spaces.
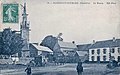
{"x":52,"y":55}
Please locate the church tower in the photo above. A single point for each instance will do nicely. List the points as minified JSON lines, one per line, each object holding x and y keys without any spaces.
{"x":24,"y":28}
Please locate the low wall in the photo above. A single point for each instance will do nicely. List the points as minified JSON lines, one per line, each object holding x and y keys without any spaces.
{"x":24,"y":61}
{"x":6,"y":61}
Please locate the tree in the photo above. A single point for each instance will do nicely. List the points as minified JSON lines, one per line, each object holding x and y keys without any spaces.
{"x":12,"y":42}
{"x":1,"y":42}
{"x":49,"y":41}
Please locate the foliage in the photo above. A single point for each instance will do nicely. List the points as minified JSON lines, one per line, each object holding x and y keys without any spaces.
{"x":11,"y":42}
{"x":1,"y":42}
{"x":49,"y":41}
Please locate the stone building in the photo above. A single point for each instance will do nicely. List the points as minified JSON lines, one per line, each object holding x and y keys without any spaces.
{"x":103,"y":51}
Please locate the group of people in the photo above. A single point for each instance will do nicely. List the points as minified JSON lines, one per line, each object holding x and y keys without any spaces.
{"x":79,"y":69}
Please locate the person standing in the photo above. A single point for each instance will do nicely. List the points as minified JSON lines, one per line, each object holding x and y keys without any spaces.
{"x":79,"y":68}
{"x":28,"y":70}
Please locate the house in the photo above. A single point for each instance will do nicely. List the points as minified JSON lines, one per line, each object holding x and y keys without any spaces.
{"x":64,"y":51}
{"x":81,"y":55}
{"x":103,"y":51}
{"x":37,"y":50}
{"x":82,"y":52}
{"x":42,"y":50}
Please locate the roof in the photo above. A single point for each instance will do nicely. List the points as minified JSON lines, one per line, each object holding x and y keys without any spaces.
{"x":66,"y":44}
{"x":42,"y":48}
{"x":63,"y":49}
{"x":84,"y":47}
{"x":106,"y":43}
{"x":81,"y":53}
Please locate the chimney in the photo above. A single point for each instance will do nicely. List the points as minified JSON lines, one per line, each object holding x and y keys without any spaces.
{"x":73,"y":42}
{"x":114,"y":39}
{"x":93,"y":41}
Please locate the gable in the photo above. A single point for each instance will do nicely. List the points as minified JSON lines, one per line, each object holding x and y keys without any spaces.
{"x":31,"y":47}
{"x":56,"y":48}
{"x":81,"y":53}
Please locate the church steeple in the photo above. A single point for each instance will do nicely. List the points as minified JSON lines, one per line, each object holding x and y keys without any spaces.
{"x":25,"y":32}
{"x":24,"y":23}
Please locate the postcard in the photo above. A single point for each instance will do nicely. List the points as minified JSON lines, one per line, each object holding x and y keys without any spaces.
{"x":59,"y":37}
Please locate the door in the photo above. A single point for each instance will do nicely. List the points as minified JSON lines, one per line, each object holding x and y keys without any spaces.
{"x":98,"y":58}
{"x":118,"y":58}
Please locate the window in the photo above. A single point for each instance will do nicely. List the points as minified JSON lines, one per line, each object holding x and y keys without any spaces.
{"x":104,"y":58}
{"x":93,"y":51}
{"x":98,"y":58}
{"x":119,"y":50}
{"x":92,"y":58}
{"x":113,"y":50}
{"x":118,"y":58}
{"x":104,"y":51}
{"x":98,"y":51}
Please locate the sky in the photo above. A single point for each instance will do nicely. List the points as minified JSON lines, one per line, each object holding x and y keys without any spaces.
{"x":81,"y":23}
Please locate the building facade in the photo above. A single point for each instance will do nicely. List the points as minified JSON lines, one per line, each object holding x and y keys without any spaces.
{"x":99,"y":54}
{"x":64,"y":51}
{"x":103,"y":51}
{"x":37,"y":50}
{"x":82,"y":52}
{"x":81,"y":55}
